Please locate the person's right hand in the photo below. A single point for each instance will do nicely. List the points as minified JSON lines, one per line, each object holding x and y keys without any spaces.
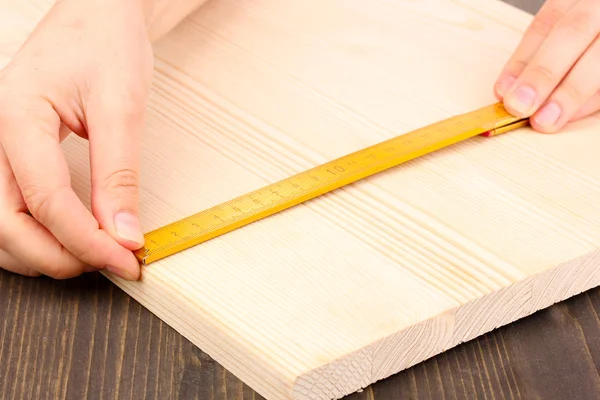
{"x":552,"y":77}
{"x":86,"y":68}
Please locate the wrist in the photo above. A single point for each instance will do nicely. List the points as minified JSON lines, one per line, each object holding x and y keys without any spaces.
{"x":158,"y":16}
{"x":151,"y":10}
{"x":137,"y":12}
{"x":163,"y":15}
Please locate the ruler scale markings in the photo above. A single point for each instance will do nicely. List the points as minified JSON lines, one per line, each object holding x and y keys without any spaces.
{"x":304,"y":186}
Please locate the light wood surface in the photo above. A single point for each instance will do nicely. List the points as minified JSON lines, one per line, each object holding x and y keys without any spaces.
{"x":330,"y":296}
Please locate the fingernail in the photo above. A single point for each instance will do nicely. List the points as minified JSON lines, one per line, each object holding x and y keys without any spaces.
{"x":123,"y":273}
{"x":504,"y":84}
{"x":128,"y":227}
{"x":522,"y":99}
{"x":548,"y":115}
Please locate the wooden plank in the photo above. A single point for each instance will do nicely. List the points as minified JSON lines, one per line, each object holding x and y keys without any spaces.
{"x":330,"y":296}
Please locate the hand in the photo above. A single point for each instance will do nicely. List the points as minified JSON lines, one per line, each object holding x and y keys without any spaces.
{"x":554,"y":74}
{"x":85,"y":69}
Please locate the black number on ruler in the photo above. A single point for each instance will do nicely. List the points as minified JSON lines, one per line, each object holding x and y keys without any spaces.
{"x":275,"y":192}
{"x":337,"y":168}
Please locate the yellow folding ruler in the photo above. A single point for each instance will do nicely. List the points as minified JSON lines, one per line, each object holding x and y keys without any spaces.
{"x":205,"y":225}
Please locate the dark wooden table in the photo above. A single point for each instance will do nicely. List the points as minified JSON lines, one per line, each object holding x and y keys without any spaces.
{"x":85,"y":339}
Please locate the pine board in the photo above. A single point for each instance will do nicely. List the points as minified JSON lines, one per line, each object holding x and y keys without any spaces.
{"x":330,"y":296}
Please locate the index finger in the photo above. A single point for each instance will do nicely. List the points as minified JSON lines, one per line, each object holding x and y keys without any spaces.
{"x":31,"y":144}
{"x":550,"y":13}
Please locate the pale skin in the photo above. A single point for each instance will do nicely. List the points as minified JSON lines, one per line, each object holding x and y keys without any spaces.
{"x":86,"y":70}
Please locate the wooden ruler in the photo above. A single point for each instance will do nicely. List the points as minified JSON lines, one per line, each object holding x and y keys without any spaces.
{"x":208,"y":224}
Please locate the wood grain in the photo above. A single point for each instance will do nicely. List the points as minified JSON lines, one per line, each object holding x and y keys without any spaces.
{"x":427,"y":256}
{"x":65,"y":349}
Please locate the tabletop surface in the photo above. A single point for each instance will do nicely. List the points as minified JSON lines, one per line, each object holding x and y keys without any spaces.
{"x":85,"y":338}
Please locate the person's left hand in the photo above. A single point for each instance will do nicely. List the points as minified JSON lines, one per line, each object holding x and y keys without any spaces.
{"x":553,"y":76}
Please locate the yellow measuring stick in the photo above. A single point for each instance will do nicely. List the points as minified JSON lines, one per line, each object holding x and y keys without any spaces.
{"x":205,"y":225}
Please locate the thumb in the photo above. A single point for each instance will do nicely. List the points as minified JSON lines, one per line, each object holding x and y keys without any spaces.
{"x":115,"y":133}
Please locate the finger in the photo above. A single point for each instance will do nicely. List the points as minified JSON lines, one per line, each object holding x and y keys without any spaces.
{"x":9,"y":263}
{"x":536,"y":33}
{"x":63,"y":132}
{"x":10,"y":195}
{"x":590,"y":107}
{"x":25,"y":239}
{"x":115,"y":132}
{"x":580,"y":84}
{"x":569,"y":39}
{"x":34,"y":245}
{"x":89,"y":268}
{"x":41,"y":171}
